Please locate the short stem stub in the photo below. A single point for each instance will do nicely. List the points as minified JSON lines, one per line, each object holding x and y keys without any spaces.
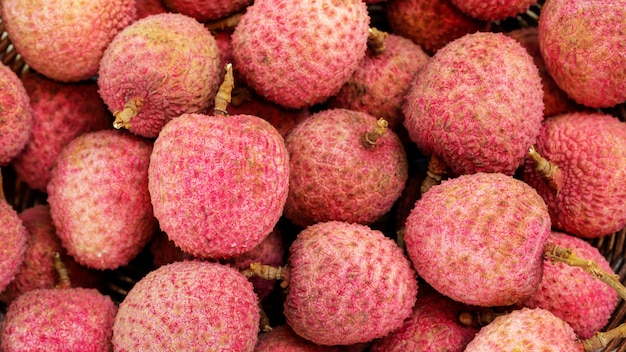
{"x":601,"y":340}
{"x":131,"y":109}
{"x":376,"y":41}
{"x":437,"y":169}
{"x":268,"y":272}
{"x":549,"y":171}
{"x":479,"y":318}
{"x":224,"y":94}
{"x":61,"y":269}
{"x":371,"y":137}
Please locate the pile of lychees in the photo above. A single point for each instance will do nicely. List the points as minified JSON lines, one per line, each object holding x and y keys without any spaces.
{"x":311,"y":175}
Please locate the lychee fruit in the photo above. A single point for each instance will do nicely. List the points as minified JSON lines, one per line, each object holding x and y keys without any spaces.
{"x":177,"y":72}
{"x":582,"y":44}
{"x":479,"y":239}
{"x":338,"y":174}
{"x":590,"y":202}
{"x":99,"y":200}
{"x":477,"y":104}
{"x":206,"y":10}
{"x":493,"y":10}
{"x":299,"y":53}
{"x":16,"y":115}
{"x":61,"y":111}
{"x":12,"y":243}
{"x":189,"y":305}
{"x":65,"y":39}
{"x":282,"y":339}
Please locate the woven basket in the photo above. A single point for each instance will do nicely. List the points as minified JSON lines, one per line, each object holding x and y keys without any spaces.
{"x":119,"y":281}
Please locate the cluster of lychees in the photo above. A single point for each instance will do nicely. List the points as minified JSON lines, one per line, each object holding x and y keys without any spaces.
{"x":239,"y":144}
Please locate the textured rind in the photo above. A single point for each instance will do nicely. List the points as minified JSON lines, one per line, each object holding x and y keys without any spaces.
{"x":582,"y":43}
{"x":433,"y":326}
{"x":347,"y":284}
{"x":99,"y":200}
{"x":298,"y":53}
{"x":572,"y":294}
{"x":61,"y":112}
{"x":188,"y":306}
{"x":380,"y":82}
{"x":218,"y":184}
{"x":335,"y":177}
{"x":477,"y":104}
{"x":526,"y":330}
{"x":178,"y":71}
{"x":12,"y":243}
{"x":206,"y":10}
{"x":283,"y":339}
{"x":591,"y":203}
{"x":16,"y":115}
{"x":74,"y":319}
{"x":430,"y":24}
{"x":493,"y":10}
{"x":479,"y":239}
{"x":65,"y":39}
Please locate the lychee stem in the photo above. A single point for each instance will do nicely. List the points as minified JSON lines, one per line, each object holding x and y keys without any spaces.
{"x":123,"y":117}
{"x":225,"y":23}
{"x":224,"y":94}
{"x":602,"y":339}
{"x":436,"y":170}
{"x":565,"y":255}
{"x":376,"y":40}
{"x":549,"y":171}
{"x":268,"y":272}
{"x":264,"y":322}
{"x":479,"y":318}
{"x":59,"y":266}
{"x":370,"y":138}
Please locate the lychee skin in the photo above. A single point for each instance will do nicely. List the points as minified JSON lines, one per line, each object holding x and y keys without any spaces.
{"x":16,"y":115}
{"x":177,"y":72}
{"x":188,"y":306}
{"x":99,"y":200}
{"x":347,"y":284}
{"x":65,"y":39}
{"x":582,"y":44}
{"x":526,"y":330}
{"x":591,"y":202}
{"x":299,"y":53}
{"x":479,"y":239}
{"x":477,"y":104}
{"x":283,"y":339}
{"x":334,"y":176}
{"x":380,"y":82}
{"x":12,"y":243}
{"x":74,"y":319}
{"x":493,"y":10}
{"x":204,"y":10}
{"x":573,"y":295}
{"x":61,"y":111}
{"x":218,"y":184}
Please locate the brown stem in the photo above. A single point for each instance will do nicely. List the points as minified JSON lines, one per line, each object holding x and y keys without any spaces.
{"x":224,"y":94}
{"x":602,"y":339}
{"x":268,"y":272}
{"x":479,"y":318}
{"x":123,"y":117}
{"x":264,"y":323}
{"x":59,"y":266}
{"x":437,"y":169}
{"x":550,"y":172}
{"x":376,"y":41}
{"x":370,"y":138}
{"x":225,"y":23}
{"x":565,"y":255}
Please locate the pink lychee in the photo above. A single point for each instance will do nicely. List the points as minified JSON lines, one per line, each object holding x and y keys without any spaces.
{"x":493,"y":10}
{"x":16,"y":115}
{"x":12,"y":243}
{"x":206,"y":10}
{"x":283,"y":339}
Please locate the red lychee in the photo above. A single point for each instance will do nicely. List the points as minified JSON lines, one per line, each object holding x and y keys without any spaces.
{"x":493,"y":10}
{"x":12,"y":243}
{"x":16,"y":115}
{"x":206,"y":10}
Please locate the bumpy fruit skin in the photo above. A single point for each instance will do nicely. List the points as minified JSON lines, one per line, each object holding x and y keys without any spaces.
{"x":298,"y":53}
{"x":526,"y":330}
{"x":99,"y":200}
{"x":283,"y":339}
{"x":433,"y":326}
{"x":16,"y":115}
{"x":572,"y":294}
{"x":493,"y":10}
{"x":430,"y":24}
{"x":65,"y":39}
{"x":204,"y":10}
{"x":73,"y":319}
{"x":348,"y":284}
{"x":188,"y":306}
{"x":335,"y":176}
{"x":177,"y":72}
{"x":218,"y":184}
{"x":380,"y":82}
{"x":477,"y":104}
{"x":479,"y":239}
{"x":591,"y":202}
{"x":61,"y":112}
{"x":12,"y":243}
{"x":582,"y":43}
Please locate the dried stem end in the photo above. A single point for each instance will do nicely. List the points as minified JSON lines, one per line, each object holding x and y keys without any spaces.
{"x":229,"y":22}
{"x":376,"y":41}
{"x":224,"y":94}
{"x":550,"y":172}
{"x":479,"y":318}
{"x":268,"y":272}
{"x":602,"y":339}
{"x":59,"y":266}
{"x":131,"y":109}
{"x":437,"y":169}
{"x":565,"y":255}
{"x":370,"y":138}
